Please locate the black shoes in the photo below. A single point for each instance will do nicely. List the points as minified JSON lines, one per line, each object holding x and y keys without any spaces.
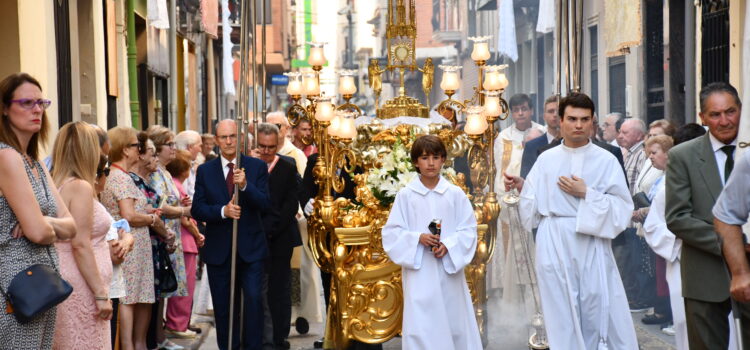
{"x":656,"y":319}
{"x":301,"y":325}
{"x":638,"y":307}
{"x":318,"y":344}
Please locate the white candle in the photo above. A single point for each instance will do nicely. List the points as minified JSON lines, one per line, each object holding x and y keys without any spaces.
{"x":347,"y":130}
{"x":317,"y":56}
{"x":324,"y":109}
{"x":346,"y":85}
{"x":312,"y":88}
{"x":481,"y":51}
{"x":475,"y":122}
{"x":492,"y":105}
{"x":450,"y":81}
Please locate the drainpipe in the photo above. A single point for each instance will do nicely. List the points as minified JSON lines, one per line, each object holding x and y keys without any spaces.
{"x":132,"y":69}
{"x":173,"y":64}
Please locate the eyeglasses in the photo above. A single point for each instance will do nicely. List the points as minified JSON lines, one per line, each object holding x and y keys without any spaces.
{"x":227,"y":137}
{"x":278,"y":126}
{"x":133,"y":145}
{"x":29,"y":103}
{"x":267,"y":147}
{"x":170,"y":144}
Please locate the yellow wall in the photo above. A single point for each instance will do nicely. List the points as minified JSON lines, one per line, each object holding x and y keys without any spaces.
{"x":36,"y":35}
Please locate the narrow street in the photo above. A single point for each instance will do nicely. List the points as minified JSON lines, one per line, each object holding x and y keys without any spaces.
{"x":650,"y":337}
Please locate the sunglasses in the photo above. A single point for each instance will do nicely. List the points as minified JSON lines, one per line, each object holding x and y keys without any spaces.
{"x":104,"y":171}
{"x":29,"y":103}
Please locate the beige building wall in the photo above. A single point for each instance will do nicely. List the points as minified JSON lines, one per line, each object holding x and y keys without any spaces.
{"x":37,"y":51}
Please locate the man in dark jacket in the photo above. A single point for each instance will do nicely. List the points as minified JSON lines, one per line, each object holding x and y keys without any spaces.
{"x":281,"y":229}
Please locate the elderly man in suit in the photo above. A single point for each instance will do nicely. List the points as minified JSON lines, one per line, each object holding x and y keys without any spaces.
{"x":696,"y":173}
{"x":553,"y":131}
{"x":281,"y":229}
{"x":212,"y":204}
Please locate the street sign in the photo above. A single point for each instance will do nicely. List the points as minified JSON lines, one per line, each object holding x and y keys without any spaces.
{"x":279,"y":79}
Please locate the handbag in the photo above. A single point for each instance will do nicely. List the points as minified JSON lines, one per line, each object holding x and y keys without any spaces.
{"x":35,"y":290}
{"x":167,"y":277}
{"x":640,"y":200}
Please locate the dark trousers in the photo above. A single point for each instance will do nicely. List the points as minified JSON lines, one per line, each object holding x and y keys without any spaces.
{"x":621,"y":249}
{"x":249,"y":284}
{"x":280,"y":293}
{"x":708,"y":325}
{"x":643,"y":259}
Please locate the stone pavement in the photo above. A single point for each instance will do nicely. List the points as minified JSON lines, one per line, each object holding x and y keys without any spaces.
{"x":649,"y":338}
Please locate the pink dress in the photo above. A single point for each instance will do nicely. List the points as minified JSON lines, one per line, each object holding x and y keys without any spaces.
{"x":78,"y":326}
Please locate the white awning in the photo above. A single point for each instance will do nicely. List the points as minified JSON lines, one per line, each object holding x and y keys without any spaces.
{"x":435,"y":52}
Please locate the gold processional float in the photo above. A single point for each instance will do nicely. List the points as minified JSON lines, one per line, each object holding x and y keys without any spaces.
{"x":366,"y":300}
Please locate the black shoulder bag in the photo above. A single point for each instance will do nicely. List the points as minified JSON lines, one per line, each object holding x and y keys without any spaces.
{"x":36,"y":288}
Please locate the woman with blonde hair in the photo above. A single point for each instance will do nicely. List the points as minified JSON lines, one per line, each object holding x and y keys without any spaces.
{"x":124,"y":200}
{"x":32,"y":213}
{"x":84,"y":261}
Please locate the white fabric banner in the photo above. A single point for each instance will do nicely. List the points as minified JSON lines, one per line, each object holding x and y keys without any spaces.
{"x":158,"y":16}
{"x":506,"y":34}
{"x":227,"y":71}
{"x":545,"y":22}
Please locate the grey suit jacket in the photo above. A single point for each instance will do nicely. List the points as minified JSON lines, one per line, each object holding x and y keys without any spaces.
{"x":692,"y":187}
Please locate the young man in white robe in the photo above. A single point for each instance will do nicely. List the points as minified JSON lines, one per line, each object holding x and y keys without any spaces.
{"x":438,"y":313}
{"x":576,"y":196}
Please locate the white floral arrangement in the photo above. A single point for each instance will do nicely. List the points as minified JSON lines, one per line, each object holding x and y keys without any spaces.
{"x":394,"y":171}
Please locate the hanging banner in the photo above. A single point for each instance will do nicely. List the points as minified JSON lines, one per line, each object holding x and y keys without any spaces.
{"x":226,"y":50}
{"x":622,"y":26}
{"x":506,"y":34}
{"x":210,"y":17}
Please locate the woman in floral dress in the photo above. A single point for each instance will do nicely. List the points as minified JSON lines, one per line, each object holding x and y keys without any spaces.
{"x":123,"y":199}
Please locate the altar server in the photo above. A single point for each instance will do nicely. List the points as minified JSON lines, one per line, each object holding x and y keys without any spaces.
{"x":438,"y":313}
{"x":577,"y":197}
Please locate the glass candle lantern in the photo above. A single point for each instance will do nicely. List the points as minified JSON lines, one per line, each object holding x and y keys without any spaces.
{"x":481,"y":49}
{"x":323,"y":109}
{"x":476,"y":124}
{"x":317,"y":57}
{"x":310,"y":84}
{"x":450,"y":81}
{"x":294,"y":88}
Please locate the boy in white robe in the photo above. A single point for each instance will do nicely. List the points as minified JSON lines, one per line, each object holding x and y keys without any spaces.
{"x":438,"y":313}
{"x":577,"y":197}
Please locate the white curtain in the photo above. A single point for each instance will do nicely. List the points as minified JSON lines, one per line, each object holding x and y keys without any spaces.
{"x":506,"y":34}
{"x":227,"y":68}
{"x":545,"y":22}
{"x":158,"y":16}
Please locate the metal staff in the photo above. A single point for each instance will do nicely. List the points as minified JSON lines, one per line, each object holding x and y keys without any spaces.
{"x":255,"y":71}
{"x":244,"y":82}
{"x":262,"y":69}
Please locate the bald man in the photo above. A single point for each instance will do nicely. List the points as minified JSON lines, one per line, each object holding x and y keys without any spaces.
{"x":286,"y":147}
{"x":212,"y":204}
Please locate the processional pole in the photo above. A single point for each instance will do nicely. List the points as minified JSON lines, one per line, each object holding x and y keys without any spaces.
{"x":247,"y":74}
